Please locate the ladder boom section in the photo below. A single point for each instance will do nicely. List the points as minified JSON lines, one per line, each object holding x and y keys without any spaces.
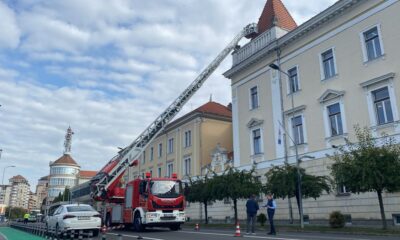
{"x":133,"y":151}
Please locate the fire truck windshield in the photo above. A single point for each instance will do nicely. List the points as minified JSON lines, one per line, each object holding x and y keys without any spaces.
{"x":166,"y":189}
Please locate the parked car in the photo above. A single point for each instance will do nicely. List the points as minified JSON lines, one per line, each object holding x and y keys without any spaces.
{"x":74,"y":217}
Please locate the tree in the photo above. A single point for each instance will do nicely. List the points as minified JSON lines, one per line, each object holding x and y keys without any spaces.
{"x":234,"y":184}
{"x":15,"y":212}
{"x":282,"y":183}
{"x":201,"y":191}
{"x":58,"y":198}
{"x":371,"y":165}
{"x":66,"y":196}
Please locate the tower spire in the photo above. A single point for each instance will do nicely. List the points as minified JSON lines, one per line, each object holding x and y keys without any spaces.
{"x":68,"y":141}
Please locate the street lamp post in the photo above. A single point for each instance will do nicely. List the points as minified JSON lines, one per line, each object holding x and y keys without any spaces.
{"x":4,"y":189}
{"x":276,"y":67}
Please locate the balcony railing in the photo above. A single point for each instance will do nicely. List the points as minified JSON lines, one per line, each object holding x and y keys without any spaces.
{"x":255,"y":45}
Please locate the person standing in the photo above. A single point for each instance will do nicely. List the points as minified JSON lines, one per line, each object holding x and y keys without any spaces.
{"x":271,"y":206}
{"x":26,"y":217}
{"x":251,"y":209}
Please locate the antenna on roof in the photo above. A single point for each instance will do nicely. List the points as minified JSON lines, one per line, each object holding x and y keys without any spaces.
{"x":211,"y":97}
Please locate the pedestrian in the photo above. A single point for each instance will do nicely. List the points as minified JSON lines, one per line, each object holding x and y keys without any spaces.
{"x":251,"y":209}
{"x":271,"y":206}
{"x":26,"y":218}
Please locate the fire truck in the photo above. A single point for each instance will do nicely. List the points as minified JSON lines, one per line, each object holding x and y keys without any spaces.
{"x":150,"y":202}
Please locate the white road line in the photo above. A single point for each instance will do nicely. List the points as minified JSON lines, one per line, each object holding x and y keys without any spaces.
{"x":5,"y":238}
{"x":133,"y":236}
{"x":326,"y":237}
{"x":246,"y":236}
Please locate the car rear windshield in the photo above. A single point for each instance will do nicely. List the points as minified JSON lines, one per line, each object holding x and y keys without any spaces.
{"x":80,"y":209}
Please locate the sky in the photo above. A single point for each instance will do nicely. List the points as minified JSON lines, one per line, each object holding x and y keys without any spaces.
{"x":107,"y":69}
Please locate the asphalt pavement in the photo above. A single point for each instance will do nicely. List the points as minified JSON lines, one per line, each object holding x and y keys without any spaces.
{"x":208,"y":234}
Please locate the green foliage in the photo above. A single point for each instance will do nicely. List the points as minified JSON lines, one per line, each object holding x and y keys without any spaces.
{"x":63,"y":197}
{"x":201,"y":190}
{"x":235,"y":184}
{"x":16,"y":212}
{"x":261,"y":218}
{"x":337,"y":219}
{"x":371,"y":165}
{"x":282,"y":182}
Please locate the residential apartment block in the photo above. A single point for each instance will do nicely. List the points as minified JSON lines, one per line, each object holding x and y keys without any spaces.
{"x":20,"y":190}
{"x":341,"y":69}
{"x":186,"y":144}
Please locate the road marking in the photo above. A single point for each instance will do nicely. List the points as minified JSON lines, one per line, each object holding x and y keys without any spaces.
{"x":5,"y":238}
{"x":133,"y":236}
{"x":246,"y":236}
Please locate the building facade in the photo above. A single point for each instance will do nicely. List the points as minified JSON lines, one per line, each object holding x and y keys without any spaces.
{"x":20,"y":190}
{"x":341,"y":69}
{"x":41,"y":191}
{"x":185,"y":146}
{"x":5,"y":194}
{"x":64,"y":171}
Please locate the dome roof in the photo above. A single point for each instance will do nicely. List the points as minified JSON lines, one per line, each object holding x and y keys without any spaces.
{"x":66,"y":159}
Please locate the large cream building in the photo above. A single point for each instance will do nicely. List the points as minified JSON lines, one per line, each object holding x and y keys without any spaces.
{"x":342,"y":69}
{"x":185,"y":146}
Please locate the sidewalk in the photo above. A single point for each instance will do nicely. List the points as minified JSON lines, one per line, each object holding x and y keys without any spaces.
{"x":14,"y":234}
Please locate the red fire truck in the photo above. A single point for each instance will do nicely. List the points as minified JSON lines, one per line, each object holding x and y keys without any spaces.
{"x":150,"y":201}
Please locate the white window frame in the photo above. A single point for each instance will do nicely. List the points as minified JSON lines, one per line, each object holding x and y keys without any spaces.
{"x":185,"y":170}
{"x":159,"y":150}
{"x":370,"y":101}
{"x":364,"y":46}
{"x":261,"y":142}
{"x":151,"y":154}
{"x":187,"y":143}
{"x":321,"y":65}
{"x":170,"y":145}
{"x":288,"y":89}
{"x":169,"y":174}
{"x":328,"y":133}
{"x":289,"y":122}
{"x":258,"y":98}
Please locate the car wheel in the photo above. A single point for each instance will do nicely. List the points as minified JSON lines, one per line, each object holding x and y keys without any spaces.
{"x":174,"y":227}
{"x":58,"y":231}
{"x":137,"y":223}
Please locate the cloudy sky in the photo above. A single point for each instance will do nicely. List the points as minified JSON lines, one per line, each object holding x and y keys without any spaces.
{"x":107,"y":69}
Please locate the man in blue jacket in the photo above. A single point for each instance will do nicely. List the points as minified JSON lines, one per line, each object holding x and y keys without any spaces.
{"x":271,"y":206}
{"x":251,"y":209}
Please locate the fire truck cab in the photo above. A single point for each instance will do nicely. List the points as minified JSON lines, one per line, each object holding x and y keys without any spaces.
{"x":150,"y":202}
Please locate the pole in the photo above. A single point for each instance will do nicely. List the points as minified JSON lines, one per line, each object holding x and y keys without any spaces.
{"x":277,"y":67}
{"x":278,"y":53}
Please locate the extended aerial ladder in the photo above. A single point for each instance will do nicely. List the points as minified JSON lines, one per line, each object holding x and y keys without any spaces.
{"x":126,"y":157}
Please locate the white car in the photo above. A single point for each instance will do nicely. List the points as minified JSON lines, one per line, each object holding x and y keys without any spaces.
{"x":74,"y":217}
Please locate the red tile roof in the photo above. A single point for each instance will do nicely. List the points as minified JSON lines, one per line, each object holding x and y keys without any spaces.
{"x":66,"y":159}
{"x":87,"y":174}
{"x":214,"y":108}
{"x":18,"y":177}
{"x":210,"y":107}
{"x":275,"y":14}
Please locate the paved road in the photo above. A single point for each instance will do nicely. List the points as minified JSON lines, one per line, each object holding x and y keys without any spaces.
{"x":208,"y":234}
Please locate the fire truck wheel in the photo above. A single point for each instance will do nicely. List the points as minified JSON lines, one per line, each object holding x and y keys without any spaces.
{"x":174,"y":227}
{"x":137,"y":223}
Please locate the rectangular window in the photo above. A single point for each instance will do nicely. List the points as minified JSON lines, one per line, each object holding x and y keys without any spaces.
{"x":383,"y":108}
{"x":144,"y":157}
{"x":256,"y":141}
{"x":297,"y":129}
{"x":372,"y":43}
{"x":396,"y":218}
{"x":293,"y":80}
{"x":187,"y":166}
{"x":335,"y":119}
{"x":170,"y":145}
{"x":151,"y":173}
{"x":328,"y":64}
{"x":253,"y":98}
{"x":170,"y":169}
{"x":159,"y":172}
{"x":151,"y":154}
{"x":188,"y":138}
{"x":160,"y":150}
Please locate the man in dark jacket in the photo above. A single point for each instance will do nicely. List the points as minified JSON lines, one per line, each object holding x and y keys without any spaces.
{"x":251,"y":208}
